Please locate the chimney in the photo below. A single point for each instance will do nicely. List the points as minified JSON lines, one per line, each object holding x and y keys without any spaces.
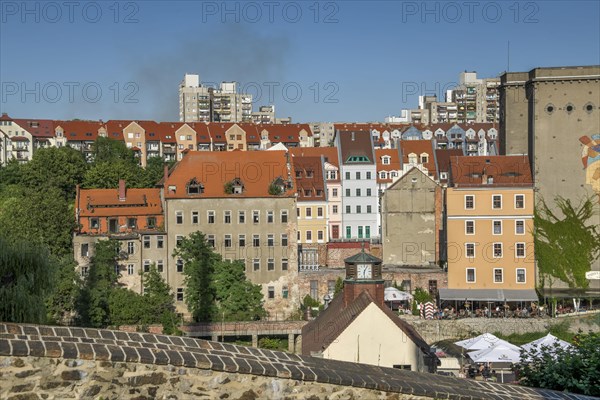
{"x":166,"y":172}
{"x":122,"y":190}
{"x":353,"y":136}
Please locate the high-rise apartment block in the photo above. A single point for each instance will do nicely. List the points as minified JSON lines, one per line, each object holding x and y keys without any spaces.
{"x":200,"y":103}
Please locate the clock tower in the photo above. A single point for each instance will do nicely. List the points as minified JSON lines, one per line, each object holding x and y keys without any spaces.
{"x":363,"y":273}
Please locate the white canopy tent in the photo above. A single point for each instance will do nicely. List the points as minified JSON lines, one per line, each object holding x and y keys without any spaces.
{"x":393,"y":294}
{"x":485,"y":341}
{"x":496,"y":354}
{"x":549,"y":341}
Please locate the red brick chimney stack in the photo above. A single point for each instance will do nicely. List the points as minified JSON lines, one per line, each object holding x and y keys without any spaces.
{"x":122,"y":190}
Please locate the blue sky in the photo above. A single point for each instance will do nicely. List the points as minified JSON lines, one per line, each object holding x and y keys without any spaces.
{"x":316,"y":61}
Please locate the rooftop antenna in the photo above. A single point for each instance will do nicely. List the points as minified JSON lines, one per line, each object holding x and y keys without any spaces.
{"x":508,"y":57}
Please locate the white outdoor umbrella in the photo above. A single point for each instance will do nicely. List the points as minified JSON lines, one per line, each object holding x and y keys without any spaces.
{"x":393,"y":294}
{"x":549,"y":341}
{"x":485,"y":341}
{"x":499,"y":353}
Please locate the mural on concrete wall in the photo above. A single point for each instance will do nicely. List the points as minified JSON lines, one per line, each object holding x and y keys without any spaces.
{"x":591,"y":161}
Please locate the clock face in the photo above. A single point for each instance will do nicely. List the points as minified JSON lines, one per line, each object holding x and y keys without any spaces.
{"x":363,"y":271}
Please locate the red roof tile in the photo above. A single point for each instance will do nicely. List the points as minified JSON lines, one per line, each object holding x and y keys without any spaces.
{"x":106,"y":203}
{"x":80,"y":130}
{"x":39,"y":128}
{"x":469,"y":171}
{"x":418,"y":147}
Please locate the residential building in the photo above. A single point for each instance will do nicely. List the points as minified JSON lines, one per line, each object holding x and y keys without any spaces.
{"x":360,"y":200}
{"x":477,"y":100}
{"x":134,"y":217}
{"x":489,"y":212}
{"x":199,"y":103}
{"x":264,"y":115}
{"x":245,"y":205}
{"x":442,"y":163}
{"x":81,"y":135}
{"x":15,"y":142}
{"x":357,"y":327}
{"x":411,"y":214}
{"x":311,"y":211}
{"x":553,"y":115}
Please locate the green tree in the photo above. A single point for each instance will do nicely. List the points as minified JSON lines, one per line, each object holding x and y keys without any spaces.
{"x":155,"y":170}
{"x":566,"y":245}
{"x":237,"y":298}
{"x":58,"y":167}
{"x":39,"y":216}
{"x":573,"y":370}
{"x":11,"y":173}
{"x":159,"y":301}
{"x":126,"y":307}
{"x":199,"y":269}
{"x":106,"y":150}
{"x":26,"y":276}
{"x":107,"y":175}
{"x":61,"y":301}
{"x":339,"y":286}
{"x":94,"y":301}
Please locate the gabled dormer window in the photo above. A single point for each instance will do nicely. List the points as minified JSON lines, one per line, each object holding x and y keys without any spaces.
{"x":235,"y":186}
{"x":385,"y":160}
{"x":194,"y":187}
{"x":412,"y":158}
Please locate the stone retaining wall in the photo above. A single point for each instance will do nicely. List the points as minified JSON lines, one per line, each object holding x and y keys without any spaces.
{"x":42,"y":362}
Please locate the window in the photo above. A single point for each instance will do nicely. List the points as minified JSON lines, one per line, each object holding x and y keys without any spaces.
{"x":227,"y":241}
{"x":497,"y":227}
{"x":130,"y":247}
{"x":256,"y":264}
{"x":385,"y":160}
{"x":160,"y":266}
{"x":347,"y":175}
{"x":367,"y":232}
{"x":130,"y":269}
{"x":242,"y":240}
{"x":334,"y":192}
{"x":271,"y":292}
{"x":334,"y":209}
{"x":368,"y":209}
{"x":284,"y":264}
{"x":146,"y":242}
{"x":211,"y":217}
{"x":357,"y":192}
{"x":85,"y":249}
{"x":469,"y":227}
{"x":284,"y":292}
{"x":314,"y":289}
{"x":347,"y":192}
{"x":470,"y":250}
{"x":270,"y":264}
{"x":368,"y":174}
{"x":520,"y":275}
{"x":160,"y":242}
{"x":348,"y":232}
{"x":360,"y":232}
{"x":270,"y":217}
{"x":179,"y":265}
{"x":179,"y":217}
{"x":519,"y":201}
{"x":178,"y":240}
{"x":210,"y":239}
{"x":256,"y":216}
{"x":368,"y":192}
{"x":308,"y":212}
{"x":497,"y":250}
{"x":270,"y":240}
{"x":226,"y":217}
{"x":357,"y":174}
{"x":151,"y":222}
{"x":284,"y":239}
{"x":358,"y":209}
{"x":241,"y":217}
{"x":498,"y":275}
{"x":309,"y":236}
{"x":497,"y":201}
{"x":320,"y":236}
{"x":330,"y":286}
{"x":470,"y":275}
{"x":469,"y":202}
{"x":179,"y":294}
{"x":132,"y":223}
{"x":284,"y":216}
{"x":519,"y":227}
{"x":94,"y":223}
{"x":348,"y":210}
{"x":195,"y":217}
{"x":320,"y":212}
{"x":520,"y":250}
{"x":256,"y":240}
{"x":424,"y":159}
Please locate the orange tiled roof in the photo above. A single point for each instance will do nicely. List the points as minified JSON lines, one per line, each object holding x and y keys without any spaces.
{"x":105,"y":202}
{"x":80,"y":130}
{"x":330,"y":153}
{"x":469,"y":171}
{"x":39,"y":128}
{"x":418,"y":147}
{"x":394,"y":164}
{"x":256,"y":169}
{"x":303,"y":165}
